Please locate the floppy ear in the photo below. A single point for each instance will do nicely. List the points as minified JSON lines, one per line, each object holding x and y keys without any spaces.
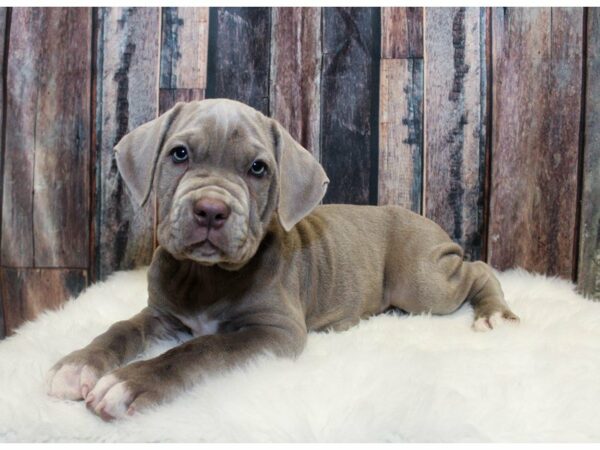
{"x":302,"y":180}
{"x":137,"y":153}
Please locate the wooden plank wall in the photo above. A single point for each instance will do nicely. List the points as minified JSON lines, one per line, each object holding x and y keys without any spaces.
{"x":483,"y":119}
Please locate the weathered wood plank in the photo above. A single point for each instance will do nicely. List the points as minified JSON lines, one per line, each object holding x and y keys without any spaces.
{"x":400,"y":133}
{"x":238,"y":55}
{"x":127,"y":92}
{"x":455,"y":119}
{"x":28,"y":292}
{"x":589,"y":239}
{"x":401,"y":33}
{"x":4,"y":18}
{"x":537,"y":63}
{"x":46,"y":180}
{"x":184,"y":48}
{"x":296,"y":73}
{"x":350,"y":87}
{"x":169,"y":97}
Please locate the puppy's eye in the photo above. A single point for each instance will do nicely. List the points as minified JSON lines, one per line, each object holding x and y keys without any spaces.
{"x":179,"y":155}
{"x":258,"y":168}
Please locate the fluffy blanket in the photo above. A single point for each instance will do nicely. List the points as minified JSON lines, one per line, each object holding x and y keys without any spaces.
{"x":392,"y":378}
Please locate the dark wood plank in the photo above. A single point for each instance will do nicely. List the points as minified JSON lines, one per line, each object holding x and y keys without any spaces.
{"x":46,"y":180}
{"x":184,"y":50}
{"x":455,"y":117}
{"x":400,"y":133}
{"x":350,"y":87}
{"x":401,"y":33}
{"x":238,"y":55}
{"x":29,"y":292}
{"x":537,"y":67}
{"x":127,"y":93}
{"x":296,"y":73}
{"x":589,"y":240}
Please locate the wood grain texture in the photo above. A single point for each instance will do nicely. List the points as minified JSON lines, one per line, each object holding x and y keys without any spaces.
{"x":349,"y":101}
{"x":32,"y":291}
{"x":537,"y":67}
{"x":184,"y":48}
{"x":238,"y":56}
{"x":589,"y":239}
{"x":401,"y":133}
{"x":46,"y":179}
{"x":169,"y":97}
{"x":455,"y":107}
{"x":127,"y":93}
{"x":4,"y":19}
{"x":296,"y":73}
{"x":401,"y":33}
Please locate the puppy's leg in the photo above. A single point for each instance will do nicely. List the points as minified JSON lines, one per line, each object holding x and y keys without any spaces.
{"x":487,"y":298}
{"x":146,"y":383}
{"x":442,"y":281}
{"x":77,"y":373}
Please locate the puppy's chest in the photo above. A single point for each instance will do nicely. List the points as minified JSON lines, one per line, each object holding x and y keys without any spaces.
{"x":200,"y":324}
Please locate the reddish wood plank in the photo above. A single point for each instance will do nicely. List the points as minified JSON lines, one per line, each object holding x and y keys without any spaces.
{"x":400,"y":133}
{"x":28,"y":292}
{"x":296,"y":73}
{"x":537,"y":62}
{"x":455,"y":119}
{"x":401,"y":33}
{"x":589,"y":240}
{"x":46,"y":182}
{"x":127,"y":93}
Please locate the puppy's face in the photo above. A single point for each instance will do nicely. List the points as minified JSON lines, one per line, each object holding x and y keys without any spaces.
{"x":220,"y":170}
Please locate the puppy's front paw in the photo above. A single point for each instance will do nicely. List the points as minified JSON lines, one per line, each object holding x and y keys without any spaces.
{"x":490,"y":321}
{"x":125,"y":391}
{"x":76,"y":374}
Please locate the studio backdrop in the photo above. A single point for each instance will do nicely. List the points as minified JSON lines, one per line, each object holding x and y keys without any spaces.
{"x":486,"y":120}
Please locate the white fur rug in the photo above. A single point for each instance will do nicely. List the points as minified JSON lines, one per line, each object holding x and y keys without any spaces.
{"x":392,"y":378}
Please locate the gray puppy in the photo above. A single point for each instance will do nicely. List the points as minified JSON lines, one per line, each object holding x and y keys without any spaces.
{"x":248,"y":262}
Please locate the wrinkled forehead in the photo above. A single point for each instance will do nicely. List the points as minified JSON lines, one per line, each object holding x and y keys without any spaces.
{"x":219,"y":125}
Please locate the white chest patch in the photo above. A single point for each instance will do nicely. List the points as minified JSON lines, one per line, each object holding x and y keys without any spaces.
{"x":200,"y":324}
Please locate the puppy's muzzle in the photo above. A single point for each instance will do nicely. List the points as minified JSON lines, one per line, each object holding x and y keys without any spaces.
{"x":211,"y":213}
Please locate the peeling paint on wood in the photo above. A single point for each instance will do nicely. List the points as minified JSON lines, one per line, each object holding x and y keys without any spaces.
{"x":589,"y":239}
{"x":400,"y":133}
{"x":184,"y":48}
{"x":127,"y":92}
{"x":537,"y":58}
{"x":455,"y":105}
{"x":296,"y":73}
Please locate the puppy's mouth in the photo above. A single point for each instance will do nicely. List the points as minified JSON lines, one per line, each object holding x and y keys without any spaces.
{"x":204,"y":249}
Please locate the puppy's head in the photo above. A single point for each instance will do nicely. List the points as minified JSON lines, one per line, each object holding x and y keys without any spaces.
{"x":221,"y":170}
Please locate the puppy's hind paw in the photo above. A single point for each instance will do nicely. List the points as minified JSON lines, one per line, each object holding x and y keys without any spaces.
{"x":489,"y":322}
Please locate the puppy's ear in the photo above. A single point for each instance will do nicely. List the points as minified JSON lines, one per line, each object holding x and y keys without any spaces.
{"x":302,"y":180}
{"x":137,"y":153}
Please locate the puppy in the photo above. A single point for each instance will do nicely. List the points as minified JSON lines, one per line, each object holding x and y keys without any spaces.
{"x":249,"y":263}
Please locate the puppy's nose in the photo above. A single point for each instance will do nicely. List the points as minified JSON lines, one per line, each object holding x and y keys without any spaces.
{"x":211,"y":212}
